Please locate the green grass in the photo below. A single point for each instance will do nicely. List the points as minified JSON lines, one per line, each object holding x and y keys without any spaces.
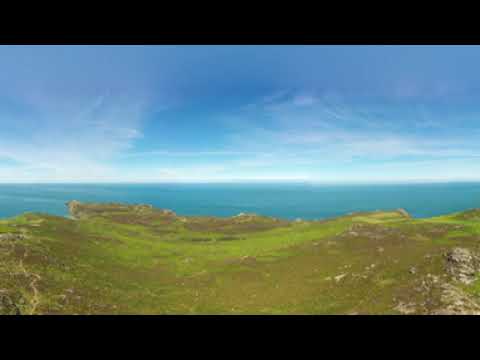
{"x":128,"y":259}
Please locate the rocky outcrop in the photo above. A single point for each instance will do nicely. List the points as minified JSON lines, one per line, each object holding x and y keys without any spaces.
{"x":73,"y":208}
{"x":11,"y":237}
{"x":169,"y":212}
{"x":404,"y":213}
{"x":456,"y":302}
{"x":462,"y":265}
{"x":245,"y":215}
{"x":406,"y":308}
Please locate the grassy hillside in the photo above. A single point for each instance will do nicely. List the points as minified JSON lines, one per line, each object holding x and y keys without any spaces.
{"x":121,"y":259}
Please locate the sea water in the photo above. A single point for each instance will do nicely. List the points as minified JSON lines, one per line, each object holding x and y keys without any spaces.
{"x":289,"y":201}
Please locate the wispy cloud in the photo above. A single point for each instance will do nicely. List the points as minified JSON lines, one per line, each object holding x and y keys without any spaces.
{"x":329,"y":132}
{"x":75,"y":141}
{"x":303,"y":137}
{"x":168,"y":153}
{"x":322,"y":139}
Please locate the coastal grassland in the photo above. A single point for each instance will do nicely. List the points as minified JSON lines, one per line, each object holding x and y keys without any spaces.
{"x":135,"y":259}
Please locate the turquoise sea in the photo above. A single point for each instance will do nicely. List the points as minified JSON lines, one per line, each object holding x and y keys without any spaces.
{"x":283,"y":200}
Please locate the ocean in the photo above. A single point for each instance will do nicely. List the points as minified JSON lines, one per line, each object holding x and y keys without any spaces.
{"x":289,"y":201}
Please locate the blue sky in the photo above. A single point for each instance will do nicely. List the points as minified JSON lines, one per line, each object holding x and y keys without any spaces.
{"x":239,"y":113}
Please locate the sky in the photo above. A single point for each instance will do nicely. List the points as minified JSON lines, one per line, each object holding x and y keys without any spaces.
{"x":333,"y":114}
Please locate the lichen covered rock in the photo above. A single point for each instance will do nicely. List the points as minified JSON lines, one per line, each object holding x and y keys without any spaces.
{"x":462,"y":265}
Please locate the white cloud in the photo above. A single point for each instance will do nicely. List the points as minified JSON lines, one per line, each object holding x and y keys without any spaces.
{"x":330,"y":134}
{"x":300,"y":137}
{"x":72,"y":142}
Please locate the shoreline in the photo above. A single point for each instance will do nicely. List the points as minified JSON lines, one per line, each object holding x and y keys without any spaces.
{"x":311,"y":202}
{"x":404,"y":212}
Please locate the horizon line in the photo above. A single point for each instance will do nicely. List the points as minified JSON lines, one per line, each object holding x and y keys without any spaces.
{"x":246,"y":181}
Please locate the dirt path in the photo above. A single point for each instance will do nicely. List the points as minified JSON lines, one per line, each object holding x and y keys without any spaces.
{"x":33,"y":285}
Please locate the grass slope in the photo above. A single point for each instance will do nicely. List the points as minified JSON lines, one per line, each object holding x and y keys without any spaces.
{"x":135,"y":259}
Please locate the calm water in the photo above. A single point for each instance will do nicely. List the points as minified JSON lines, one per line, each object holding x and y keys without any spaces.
{"x":280,"y":200}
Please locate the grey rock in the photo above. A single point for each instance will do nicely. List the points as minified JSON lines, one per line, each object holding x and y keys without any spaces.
{"x":11,"y":236}
{"x":462,"y":265}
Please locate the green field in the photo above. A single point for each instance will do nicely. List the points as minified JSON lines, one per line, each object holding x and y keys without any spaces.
{"x":127,"y":259}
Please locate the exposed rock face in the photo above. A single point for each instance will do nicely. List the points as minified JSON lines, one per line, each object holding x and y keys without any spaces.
{"x":73,"y":207}
{"x":73,"y":204}
{"x":169,"y":212}
{"x":457,"y":302}
{"x":447,"y":296}
{"x":404,"y":213}
{"x":245,"y":215}
{"x":462,"y":265}
{"x":405,"y":308}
